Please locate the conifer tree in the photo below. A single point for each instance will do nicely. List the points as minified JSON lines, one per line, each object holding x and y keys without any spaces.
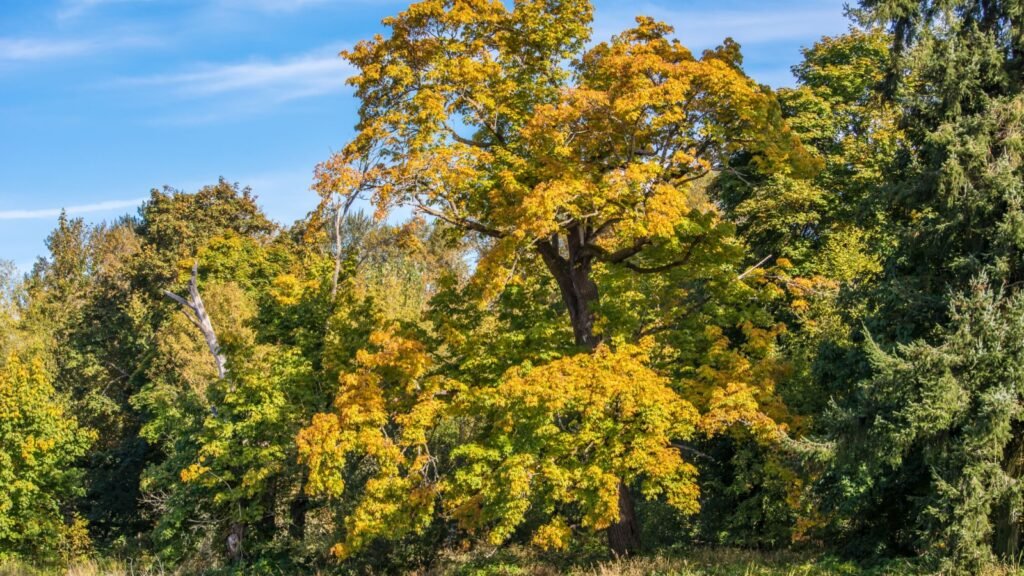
{"x":928,"y":445}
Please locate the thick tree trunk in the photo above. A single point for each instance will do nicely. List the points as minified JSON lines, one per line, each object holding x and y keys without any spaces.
{"x":579,"y":292}
{"x":624,"y":535}
{"x":578,"y":289}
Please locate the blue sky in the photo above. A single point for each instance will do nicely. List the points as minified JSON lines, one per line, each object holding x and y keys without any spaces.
{"x":102,"y":100}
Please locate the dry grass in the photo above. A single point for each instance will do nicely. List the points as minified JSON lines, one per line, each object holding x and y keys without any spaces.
{"x":515,"y":562}
{"x":83,"y":568}
{"x":700,"y":562}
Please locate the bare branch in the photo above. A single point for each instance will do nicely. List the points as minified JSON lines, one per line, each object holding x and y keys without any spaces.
{"x":463,"y":140}
{"x":201,"y":320}
{"x":755,"y":267}
{"x":464,"y":223}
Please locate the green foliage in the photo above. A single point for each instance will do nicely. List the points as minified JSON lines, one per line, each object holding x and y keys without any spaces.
{"x":177,"y":225}
{"x":40,"y":447}
{"x":635,"y":281}
{"x":923,"y":452}
{"x":950,"y":411}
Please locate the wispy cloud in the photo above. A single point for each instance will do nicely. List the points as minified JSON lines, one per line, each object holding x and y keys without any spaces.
{"x":276,"y":81}
{"x":108,"y":206}
{"x":32,"y":49}
{"x":74,"y":8}
{"x":40,"y":49}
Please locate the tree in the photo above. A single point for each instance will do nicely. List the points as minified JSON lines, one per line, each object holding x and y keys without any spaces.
{"x":949,"y":411}
{"x":470,"y":115}
{"x":937,"y":418}
{"x":955,"y":191}
{"x":40,"y":447}
{"x":82,"y":308}
{"x":176,"y":225}
{"x":222,"y":396}
{"x":838,"y":111}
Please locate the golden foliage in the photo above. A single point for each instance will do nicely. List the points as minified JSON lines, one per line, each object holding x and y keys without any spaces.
{"x":564,"y":436}
{"x":384,"y":411}
{"x":612,"y":146}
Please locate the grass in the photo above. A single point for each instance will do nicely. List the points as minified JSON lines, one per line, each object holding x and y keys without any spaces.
{"x":518,"y":562}
{"x":698,"y":562}
{"x":102,"y":567}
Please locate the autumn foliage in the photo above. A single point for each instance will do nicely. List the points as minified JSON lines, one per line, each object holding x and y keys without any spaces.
{"x":616,"y":298}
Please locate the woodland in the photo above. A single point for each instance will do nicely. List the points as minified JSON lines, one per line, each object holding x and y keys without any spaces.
{"x":562,"y":304}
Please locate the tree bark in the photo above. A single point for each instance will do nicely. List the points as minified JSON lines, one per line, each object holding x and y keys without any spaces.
{"x":200,"y":319}
{"x":578,"y":289}
{"x":579,"y":293}
{"x":297,"y":510}
{"x":624,"y":535}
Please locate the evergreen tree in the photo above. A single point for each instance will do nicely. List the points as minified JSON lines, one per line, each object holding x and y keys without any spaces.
{"x":928,"y":445}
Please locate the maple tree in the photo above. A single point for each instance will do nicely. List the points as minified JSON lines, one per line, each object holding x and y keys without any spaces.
{"x":471,"y":115}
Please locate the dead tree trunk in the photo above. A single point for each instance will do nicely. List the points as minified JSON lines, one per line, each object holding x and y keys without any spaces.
{"x":195,"y":311}
{"x":572,"y":272}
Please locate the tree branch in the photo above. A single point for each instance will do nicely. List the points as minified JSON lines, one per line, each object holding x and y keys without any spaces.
{"x":618,"y":256}
{"x":463,"y":140}
{"x":666,"y":267}
{"x":465,"y":223}
{"x":754,"y":267}
{"x":696,"y":305}
{"x":201,"y":319}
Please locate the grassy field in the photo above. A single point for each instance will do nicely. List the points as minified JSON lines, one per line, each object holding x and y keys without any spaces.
{"x":702,"y":562}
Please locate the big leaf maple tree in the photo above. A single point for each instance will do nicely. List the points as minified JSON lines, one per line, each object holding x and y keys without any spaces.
{"x":501,"y":122}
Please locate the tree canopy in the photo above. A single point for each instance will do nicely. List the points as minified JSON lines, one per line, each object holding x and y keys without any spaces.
{"x":615,"y":298}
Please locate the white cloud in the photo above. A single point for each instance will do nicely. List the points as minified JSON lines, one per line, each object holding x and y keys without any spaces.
{"x":289,"y":79}
{"x":32,"y":49}
{"x":39,"y":49}
{"x":74,"y":8}
{"x":108,"y":206}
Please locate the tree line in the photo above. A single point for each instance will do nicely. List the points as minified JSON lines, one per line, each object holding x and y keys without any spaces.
{"x":642,"y":302}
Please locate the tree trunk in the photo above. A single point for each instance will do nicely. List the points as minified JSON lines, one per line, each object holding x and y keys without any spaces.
{"x":579,"y":292}
{"x":624,"y":535}
{"x":578,"y":289}
{"x":1007,"y":533}
{"x":200,"y":319}
{"x":297,"y":511}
